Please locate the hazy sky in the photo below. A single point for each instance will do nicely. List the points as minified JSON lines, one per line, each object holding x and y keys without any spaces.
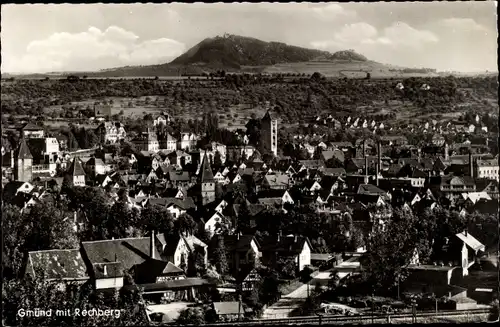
{"x":444,"y":35}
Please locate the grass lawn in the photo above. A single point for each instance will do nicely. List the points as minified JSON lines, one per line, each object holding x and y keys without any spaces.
{"x":287,"y":288}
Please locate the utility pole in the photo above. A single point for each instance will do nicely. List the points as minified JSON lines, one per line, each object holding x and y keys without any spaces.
{"x":373,"y":308}
{"x":414,"y":310}
{"x":398,"y":286}
{"x":239,"y":307}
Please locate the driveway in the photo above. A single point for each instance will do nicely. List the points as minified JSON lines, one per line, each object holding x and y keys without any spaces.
{"x":295,"y":299}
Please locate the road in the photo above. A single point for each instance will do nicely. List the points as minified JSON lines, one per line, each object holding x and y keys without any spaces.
{"x":295,"y":299}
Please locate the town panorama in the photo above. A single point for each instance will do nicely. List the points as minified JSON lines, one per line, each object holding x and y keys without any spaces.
{"x":249,"y":164}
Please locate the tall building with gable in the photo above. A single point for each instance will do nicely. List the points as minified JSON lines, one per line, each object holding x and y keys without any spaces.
{"x":23,"y":163}
{"x":269,"y":134}
{"x":76,"y":174}
{"x":207,"y":181}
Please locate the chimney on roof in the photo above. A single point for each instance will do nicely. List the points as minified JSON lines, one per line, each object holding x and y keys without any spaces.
{"x":105,"y":270}
{"x":152,"y":244}
{"x":295,"y":238}
{"x":466,"y":231}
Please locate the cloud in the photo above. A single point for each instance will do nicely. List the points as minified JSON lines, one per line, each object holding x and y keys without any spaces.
{"x":92,"y":50}
{"x":359,"y":35}
{"x":468,"y":24}
{"x":332,"y":11}
{"x":402,"y":34}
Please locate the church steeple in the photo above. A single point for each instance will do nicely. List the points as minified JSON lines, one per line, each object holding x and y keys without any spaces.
{"x":23,"y":163}
{"x":23,"y":151}
{"x":206,"y":179}
{"x":206,"y":174}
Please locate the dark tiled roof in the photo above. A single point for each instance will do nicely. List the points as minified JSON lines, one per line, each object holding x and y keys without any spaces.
{"x":76,"y":168}
{"x":128,"y":251}
{"x":173,"y":284}
{"x":287,"y":245}
{"x":31,"y":127}
{"x":57,"y":264}
{"x":227,"y":308}
{"x":268,"y":116}
{"x":232,"y":243}
{"x":170,"y":268}
{"x":206,"y":174}
{"x":369,"y":189}
{"x":182,"y":176}
{"x":23,"y":152}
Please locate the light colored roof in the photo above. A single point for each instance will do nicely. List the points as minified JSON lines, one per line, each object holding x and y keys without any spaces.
{"x":227,"y":308}
{"x":476,"y":196}
{"x":471,"y":241}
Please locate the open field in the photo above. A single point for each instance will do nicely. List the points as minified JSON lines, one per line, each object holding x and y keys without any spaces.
{"x":343,"y":68}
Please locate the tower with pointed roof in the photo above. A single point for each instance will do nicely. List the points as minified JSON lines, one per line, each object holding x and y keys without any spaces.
{"x":23,"y":164}
{"x":76,"y":174}
{"x":207,"y":181}
{"x":269,"y":133}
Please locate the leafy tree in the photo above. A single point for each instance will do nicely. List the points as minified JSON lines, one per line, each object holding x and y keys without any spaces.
{"x":287,"y":267}
{"x":185,"y":224}
{"x":219,"y":255}
{"x":72,"y":142}
{"x":269,"y":286}
{"x":217,"y":160}
{"x":191,"y":316}
{"x":45,"y":295}
{"x":48,"y":227}
{"x":334,"y":280}
{"x":157,"y":218}
{"x":390,"y":251}
{"x":13,"y":235}
{"x":305,"y":277}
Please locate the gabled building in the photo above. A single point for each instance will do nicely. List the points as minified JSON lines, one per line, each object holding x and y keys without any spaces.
{"x":244,"y":251}
{"x":457,"y":184}
{"x":269,"y":133}
{"x":161,"y":119}
{"x":23,"y":164}
{"x":147,"y":142}
{"x":487,"y":168}
{"x":111,"y":132}
{"x":169,"y":143}
{"x":76,"y":173}
{"x":31,"y":130}
{"x":66,"y":266}
{"x":206,"y":181}
{"x":298,"y":248}
{"x":179,"y":248}
{"x":95,"y":166}
{"x":188,"y":140}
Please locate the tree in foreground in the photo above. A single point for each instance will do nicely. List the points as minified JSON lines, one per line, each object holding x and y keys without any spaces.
{"x":191,"y":316}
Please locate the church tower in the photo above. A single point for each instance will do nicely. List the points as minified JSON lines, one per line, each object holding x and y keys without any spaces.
{"x":269,"y":133}
{"x":206,"y":179}
{"x":76,"y":173}
{"x":23,"y":163}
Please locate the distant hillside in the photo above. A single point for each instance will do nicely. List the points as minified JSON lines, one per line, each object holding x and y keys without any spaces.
{"x":237,"y":54}
{"x":236,"y":51}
